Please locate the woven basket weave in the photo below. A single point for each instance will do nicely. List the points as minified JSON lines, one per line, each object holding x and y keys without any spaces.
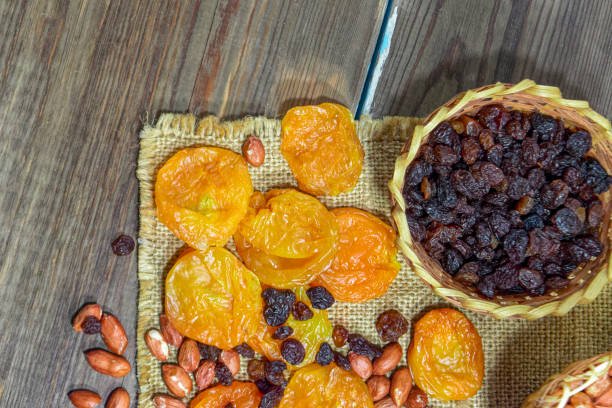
{"x":574,"y":379}
{"x":586,"y":282}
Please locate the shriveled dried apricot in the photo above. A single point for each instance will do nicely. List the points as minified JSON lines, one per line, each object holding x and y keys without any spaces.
{"x":288,"y":240}
{"x":211,"y":297}
{"x":326,"y":386}
{"x":446,"y":356}
{"x":240,"y":394}
{"x":201,"y":195}
{"x":311,"y":333}
{"x":320,"y":144}
{"x":366,"y":262}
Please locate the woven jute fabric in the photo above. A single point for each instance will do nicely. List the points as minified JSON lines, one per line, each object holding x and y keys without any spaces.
{"x":519,"y":354}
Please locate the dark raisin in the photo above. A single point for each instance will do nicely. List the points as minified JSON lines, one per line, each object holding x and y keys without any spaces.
{"x":123,"y":245}
{"x":484,"y":235}
{"x":493,"y":174}
{"x":500,"y":224}
{"x":586,"y":192}
{"x":553,"y":195}
{"x":574,"y":178}
{"x":325,"y":355}
{"x":515,"y":245}
{"x":91,"y":325}
{"x":439,"y":213}
{"x":447,"y":197}
{"x":282,"y":332}
{"x":530,"y":279}
{"x":543,"y":125}
{"x":256,"y":369}
{"x":495,"y":154}
{"x":551,"y":269}
{"x":244,"y":350}
{"x":464,"y":249}
{"x":596,"y":176}
{"x":275,"y":372}
{"x":416,"y":171}
{"x":452,"y":261}
{"x":556,"y":282}
{"x":278,"y":304}
{"x":536,"y":178}
{"x":497,"y":199}
{"x":484,"y":254}
{"x":340,"y":335}
{"x":573,"y":204}
{"x":263,"y":385}
{"x":530,"y":150}
{"x":472,"y":127}
{"x":542,"y":243}
{"x":272,"y":398}
{"x":293,"y":351}
{"x":445,"y":155}
{"x":468,"y":274}
{"x":533,"y":221}
{"x":486,"y":286}
{"x":590,"y":244}
{"x":567,"y":222}
{"x":470,"y":150}
{"x":342,"y":361}
{"x":301,"y":311}
{"x":417,"y":229}
{"x":536,"y":263}
{"x":515,"y":129}
{"x":486,"y":139}
{"x":518,"y":187}
{"x":391,"y":325}
{"x":506,"y":277}
{"x":426,"y":153}
{"x":320,"y":298}
{"x":444,"y":134}
{"x":359,"y":345}
{"x":223,"y":374}
{"x":577,"y":253}
{"x":578,"y":143}
{"x":595,"y":215}
{"x":210,"y":353}
{"x":465,"y":183}
{"x":493,"y":117}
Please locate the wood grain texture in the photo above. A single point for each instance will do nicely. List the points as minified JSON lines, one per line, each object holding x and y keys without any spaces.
{"x":77,"y":80}
{"x":443,"y":47}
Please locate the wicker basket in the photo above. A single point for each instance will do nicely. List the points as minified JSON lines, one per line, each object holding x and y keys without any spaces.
{"x":558,"y":389}
{"x":585,"y":283}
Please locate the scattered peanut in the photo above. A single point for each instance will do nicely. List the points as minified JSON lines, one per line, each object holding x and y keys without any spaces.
{"x":389,"y":359}
{"x":189,"y":355}
{"x":119,"y":398}
{"x":253,"y":151}
{"x":107,"y":363}
{"x":205,"y":374}
{"x":113,"y":334}
{"x":401,"y":383}
{"x":361,"y":365}
{"x":88,"y":310}
{"x":84,"y":398}
{"x":177,"y":380}
{"x":379,"y":386}
{"x":166,"y":401}
{"x":231,"y":359}
{"x":169,"y":332}
{"x":157,"y":345}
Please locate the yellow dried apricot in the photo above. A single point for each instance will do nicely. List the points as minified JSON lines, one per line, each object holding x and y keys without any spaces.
{"x":366,"y":262}
{"x":240,"y":394}
{"x":311,"y":333}
{"x":213,"y":298}
{"x":326,"y":386}
{"x":446,"y":356}
{"x":322,"y":149}
{"x":201,"y":195}
{"x":288,"y":240}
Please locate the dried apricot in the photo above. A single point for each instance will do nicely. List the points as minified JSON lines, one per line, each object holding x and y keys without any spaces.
{"x":326,"y":386}
{"x":201,"y":195}
{"x":320,"y":144}
{"x":287,"y":240}
{"x":212,"y":298}
{"x":366,"y":262}
{"x":240,"y":394}
{"x":311,"y":333}
{"x":446,"y":356}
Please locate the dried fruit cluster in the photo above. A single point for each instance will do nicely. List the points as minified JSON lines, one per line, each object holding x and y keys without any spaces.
{"x":507,"y":201}
{"x":91,"y":320}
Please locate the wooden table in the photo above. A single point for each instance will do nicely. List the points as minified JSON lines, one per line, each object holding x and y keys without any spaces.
{"x":79,"y":79}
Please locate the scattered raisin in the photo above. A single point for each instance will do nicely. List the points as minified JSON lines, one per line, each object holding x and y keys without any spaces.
{"x":578,"y":143}
{"x":325,"y":355}
{"x":340,"y":335}
{"x":263,"y":385}
{"x":223,"y":374}
{"x":91,"y":325}
{"x":282,"y":332}
{"x":301,"y":311}
{"x":567,"y":222}
{"x":275,"y":372}
{"x":245,"y":350}
{"x":293,"y":351}
{"x":123,"y":245}
{"x":256,"y":369}
{"x":272,"y":398}
{"x":210,"y":353}
{"x":278,"y":304}
{"x":391,"y":325}
{"x":359,"y":345}
{"x":342,"y":362}
{"x":320,"y":298}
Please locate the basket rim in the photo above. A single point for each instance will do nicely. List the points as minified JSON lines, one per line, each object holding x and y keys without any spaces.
{"x":498,"y":306}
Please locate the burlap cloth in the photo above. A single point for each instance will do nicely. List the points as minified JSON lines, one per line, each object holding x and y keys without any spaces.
{"x":519,"y":354}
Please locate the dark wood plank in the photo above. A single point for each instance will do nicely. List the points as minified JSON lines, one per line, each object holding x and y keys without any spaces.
{"x":77,"y":79}
{"x":440,"y":48}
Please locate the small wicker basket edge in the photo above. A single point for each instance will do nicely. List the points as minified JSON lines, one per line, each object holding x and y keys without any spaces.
{"x":586,"y":282}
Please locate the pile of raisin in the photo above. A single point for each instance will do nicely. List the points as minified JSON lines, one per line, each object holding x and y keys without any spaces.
{"x":506,"y":201}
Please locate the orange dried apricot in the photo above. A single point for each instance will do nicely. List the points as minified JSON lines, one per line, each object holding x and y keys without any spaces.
{"x":326,"y":386}
{"x":446,"y":356}
{"x":311,"y":333}
{"x":366,"y":262}
{"x":322,"y":149}
{"x":201,"y":195}
{"x":287,"y":240}
{"x":213,"y":298}
{"x":241,"y":394}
